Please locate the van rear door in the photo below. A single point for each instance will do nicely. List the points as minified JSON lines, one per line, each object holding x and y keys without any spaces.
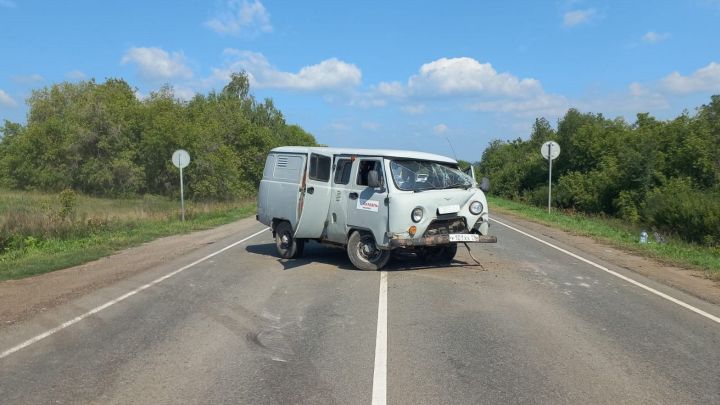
{"x":314,"y":197}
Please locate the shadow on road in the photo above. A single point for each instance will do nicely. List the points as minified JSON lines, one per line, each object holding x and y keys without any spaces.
{"x":336,"y":256}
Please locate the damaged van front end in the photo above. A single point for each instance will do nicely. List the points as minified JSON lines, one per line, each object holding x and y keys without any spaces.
{"x":435,"y":205}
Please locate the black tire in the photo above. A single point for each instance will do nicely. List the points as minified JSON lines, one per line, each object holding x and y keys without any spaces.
{"x":287,"y":246}
{"x":364,"y":254}
{"x":300,"y":248}
{"x":448,"y":253}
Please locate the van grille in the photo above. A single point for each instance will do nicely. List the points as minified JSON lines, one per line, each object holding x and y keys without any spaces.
{"x":446,"y":226}
{"x":282,"y":161}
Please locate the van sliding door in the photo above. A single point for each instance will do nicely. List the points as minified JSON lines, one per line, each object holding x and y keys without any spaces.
{"x":314,"y":197}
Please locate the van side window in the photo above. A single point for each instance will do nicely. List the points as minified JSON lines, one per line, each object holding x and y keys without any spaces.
{"x":288,"y":167}
{"x":269,"y":166}
{"x":364,"y":168}
{"x":343,"y":167}
{"x":319,"y":167}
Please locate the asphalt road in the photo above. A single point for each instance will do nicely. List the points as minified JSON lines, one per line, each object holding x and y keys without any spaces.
{"x":532,"y":325}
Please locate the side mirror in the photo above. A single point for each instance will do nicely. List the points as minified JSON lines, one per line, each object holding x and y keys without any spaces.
{"x":374,"y":179}
{"x":470,"y":171}
{"x":485,"y":184}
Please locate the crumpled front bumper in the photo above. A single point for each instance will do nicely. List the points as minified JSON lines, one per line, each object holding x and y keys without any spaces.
{"x":434,"y":240}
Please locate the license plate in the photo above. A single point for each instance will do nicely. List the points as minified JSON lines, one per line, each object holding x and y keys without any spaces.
{"x":464,"y":237}
{"x":448,"y":209}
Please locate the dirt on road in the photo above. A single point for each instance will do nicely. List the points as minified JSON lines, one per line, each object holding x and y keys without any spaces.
{"x":21,"y":299}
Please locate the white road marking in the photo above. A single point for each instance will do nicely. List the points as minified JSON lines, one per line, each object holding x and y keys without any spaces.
{"x":379,"y":396}
{"x":118,"y":299}
{"x":618,"y":275}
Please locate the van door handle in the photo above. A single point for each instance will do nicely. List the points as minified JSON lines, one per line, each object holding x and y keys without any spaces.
{"x":353,"y":196}
{"x":310,"y":190}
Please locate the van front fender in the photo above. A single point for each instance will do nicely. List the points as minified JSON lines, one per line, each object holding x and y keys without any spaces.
{"x":381,"y":242}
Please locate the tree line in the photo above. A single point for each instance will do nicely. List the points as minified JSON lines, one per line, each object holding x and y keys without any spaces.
{"x":663,"y":174}
{"x":101,"y":139}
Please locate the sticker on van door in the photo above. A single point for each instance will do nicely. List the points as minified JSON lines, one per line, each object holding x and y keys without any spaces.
{"x":368,"y":205}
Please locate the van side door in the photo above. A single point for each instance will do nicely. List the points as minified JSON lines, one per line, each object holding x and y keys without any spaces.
{"x":314,"y":200}
{"x":337,"y":219}
{"x":367,"y":206}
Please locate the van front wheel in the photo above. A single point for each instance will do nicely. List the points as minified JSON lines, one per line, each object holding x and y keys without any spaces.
{"x":287,"y":246}
{"x":364,"y":253}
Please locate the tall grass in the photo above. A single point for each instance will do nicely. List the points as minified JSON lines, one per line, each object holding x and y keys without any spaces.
{"x":42,"y":232}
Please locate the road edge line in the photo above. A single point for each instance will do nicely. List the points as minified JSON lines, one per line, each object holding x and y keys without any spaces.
{"x":379,"y":392}
{"x":119,"y":299}
{"x":618,"y":275}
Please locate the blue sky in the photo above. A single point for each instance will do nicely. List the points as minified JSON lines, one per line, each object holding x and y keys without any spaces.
{"x":400,"y":74}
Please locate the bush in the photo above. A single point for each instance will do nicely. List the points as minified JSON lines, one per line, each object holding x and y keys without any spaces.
{"x":678,"y":208}
{"x":627,"y":207}
{"x":68,"y":204}
{"x":537,"y":197}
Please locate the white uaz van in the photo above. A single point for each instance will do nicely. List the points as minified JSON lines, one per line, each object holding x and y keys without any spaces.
{"x":371,"y":201}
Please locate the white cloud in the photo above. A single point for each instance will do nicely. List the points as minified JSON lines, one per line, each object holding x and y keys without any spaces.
{"x":370,"y":126}
{"x":28,"y":79}
{"x":75,"y":75}
{"x":636,"y":89}
{"x":635,"y":100}
{"x":6,"y":100}
{"x":362,"y":100}
{"x":183,"y":93}
{"x":705,"y":79}
{"x":140,"y":95}
{"x":652,"y":37}
{"x":157,"y":63}
{"x":414,"y":109}
{"x":330,"y":74}
{"x":576,"y":17}
{"x":392,"y":89}
{"x":440,"y":129}
{"x":339,"y":126}
{"x":542,"y":104}
{"x":241,"y":18}
{"x":467,"y":76}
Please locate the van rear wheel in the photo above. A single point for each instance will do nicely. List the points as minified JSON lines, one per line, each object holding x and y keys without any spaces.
{"x":287,"y":246}
{"x":364,"y":253}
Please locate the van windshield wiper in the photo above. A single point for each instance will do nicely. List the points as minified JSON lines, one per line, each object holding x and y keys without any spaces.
{"x":464,"y":186}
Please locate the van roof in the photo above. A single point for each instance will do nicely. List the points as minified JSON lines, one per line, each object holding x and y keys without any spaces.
{"x":405,"y":154}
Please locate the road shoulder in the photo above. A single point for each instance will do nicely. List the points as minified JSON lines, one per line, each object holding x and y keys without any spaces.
{"x":22,"y":299}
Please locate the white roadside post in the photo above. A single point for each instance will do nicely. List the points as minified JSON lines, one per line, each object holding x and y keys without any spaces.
{"x":550,"y":150}
{"x":181,"y":159}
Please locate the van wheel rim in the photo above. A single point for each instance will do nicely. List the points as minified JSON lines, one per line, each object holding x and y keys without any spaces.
{"x":367,"y":249}
{"x":285,"y":240}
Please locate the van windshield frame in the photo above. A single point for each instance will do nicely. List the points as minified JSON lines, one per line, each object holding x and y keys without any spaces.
{"x":420,"y":175}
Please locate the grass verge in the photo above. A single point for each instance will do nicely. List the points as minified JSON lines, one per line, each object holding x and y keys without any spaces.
{"x":619,"y":233}
{"x":120,"y":224}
